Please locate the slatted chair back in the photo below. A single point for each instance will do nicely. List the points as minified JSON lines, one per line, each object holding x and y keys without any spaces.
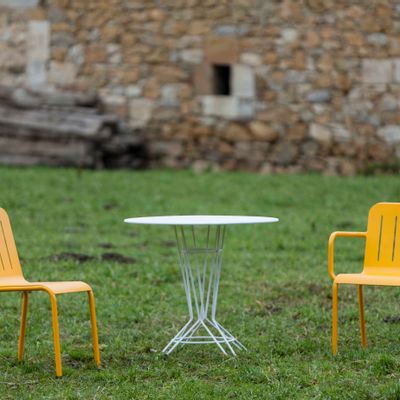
{"x":382,"y":248}
{"x":10,"y":266}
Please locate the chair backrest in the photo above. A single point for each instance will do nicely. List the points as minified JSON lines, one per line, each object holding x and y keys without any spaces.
{"x":9,"y":261}
{"x":382,"y":248}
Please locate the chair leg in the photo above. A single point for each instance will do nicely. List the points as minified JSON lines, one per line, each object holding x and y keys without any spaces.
{"x":334,"y":317}
{"x":362,"y":317}
{"x":22,"y":330}
{"x":56,"y":334}
{"x":96,"y":352}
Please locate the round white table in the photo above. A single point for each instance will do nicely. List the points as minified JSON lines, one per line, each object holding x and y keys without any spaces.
{"x":200,"y":241}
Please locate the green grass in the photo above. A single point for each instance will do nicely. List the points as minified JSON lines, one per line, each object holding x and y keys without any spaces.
{"x":274,"y":294}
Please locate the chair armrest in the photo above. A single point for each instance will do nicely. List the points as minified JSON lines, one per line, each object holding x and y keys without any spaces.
{"x":331,"y":247}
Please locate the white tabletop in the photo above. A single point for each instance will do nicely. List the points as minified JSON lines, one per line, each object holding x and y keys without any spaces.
{"x":201,"y":220}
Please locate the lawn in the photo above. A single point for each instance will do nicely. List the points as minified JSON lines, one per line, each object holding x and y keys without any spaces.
{"x":274,"y":294}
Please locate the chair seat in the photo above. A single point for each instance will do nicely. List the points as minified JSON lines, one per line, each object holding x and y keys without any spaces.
{"x":55,"y":287}
{"x":368,"y":279}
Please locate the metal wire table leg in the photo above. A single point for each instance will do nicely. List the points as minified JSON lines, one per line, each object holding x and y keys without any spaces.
{"x":200,"y":257}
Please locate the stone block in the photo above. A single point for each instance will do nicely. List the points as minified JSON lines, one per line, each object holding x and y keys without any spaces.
{"x":377,"y":71}
{"x":220,"y":106}
{"x":202,"y":78}
{"x":62,"y":73}
{"x":340,"y":133}
{"x":19,"y":3}
{"x":390,"y":134}
{"x":38,"y":52}
{"x":221,"y":50}
{"x":262,"y":131}
{"x":289,"y":35}
{"x":191,"y":56}
{"x":140,"y":112}
{"x":396,"y":70}
{"x":169,"y":96}
{"x":252,"y":59}
{"x":319,"y":96}
{"x":378,"y":39}
{"x":243,"y":82}
{"x":231,"y":30}
{"x":321,"y":133}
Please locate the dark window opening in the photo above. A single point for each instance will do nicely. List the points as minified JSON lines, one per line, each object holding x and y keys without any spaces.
{"x":222,"y":79}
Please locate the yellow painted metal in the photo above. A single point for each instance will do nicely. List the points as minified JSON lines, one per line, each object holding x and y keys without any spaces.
{"x":381,"y":260}
{"x":12,"y":279}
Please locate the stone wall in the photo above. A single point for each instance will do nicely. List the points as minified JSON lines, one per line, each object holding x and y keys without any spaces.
{"x":262,"y":85}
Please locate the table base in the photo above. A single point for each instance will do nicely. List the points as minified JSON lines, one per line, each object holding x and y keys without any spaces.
{"x":200,"y":263}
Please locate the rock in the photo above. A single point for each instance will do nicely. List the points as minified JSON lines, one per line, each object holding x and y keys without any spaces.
{"x":319,"y":96}
{"x":289,"y":35}
{"x":96,"y":54}
{"x":390,"y":134}
{"x":294,"y":77}
{"x":396,"y":70}
{"x":285,"y":153}
{"x":151,"y":89}
{"x":22,"y":99}
{"x":320,"y":133}
{"x":140,"y":112}
{"x":389,"y":103}
{"x":169,"y":74}
{"x":133,"y":90}
{"x":266,"y":168}
{"x":169,"y":95}
{"x":347,"y":168}
{"x":191,"y":56}
{"x":231,"y":30}
{"x":376,"y":71}
{"x":199,"y":166}
{"x":76,"y":54}
{"x":243,"y":82}
{"x":251,"y":59}
{"x":310,"y":148}
{"x":340,"y":133}
{"x":236,"y":132}
{"x":377,"y":39}
{"x":261,"y":131}
{"x":62,"y":73}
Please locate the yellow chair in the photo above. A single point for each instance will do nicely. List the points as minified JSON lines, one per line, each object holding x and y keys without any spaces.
{"x":12,"y":279}
{"x":381,"y":260}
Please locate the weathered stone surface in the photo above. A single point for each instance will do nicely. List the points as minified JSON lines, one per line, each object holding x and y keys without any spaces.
{"x":307,"y":85}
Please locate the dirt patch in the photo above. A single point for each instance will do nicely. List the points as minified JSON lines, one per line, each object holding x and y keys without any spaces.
{"x":68,"y":256}
{"x":106,"y":245}
{"x":110,"y":206}
{"x":116,"y":257}
{"x":392,"y":320}
{"x":270,"y":308}
{"x":169,"y":243}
